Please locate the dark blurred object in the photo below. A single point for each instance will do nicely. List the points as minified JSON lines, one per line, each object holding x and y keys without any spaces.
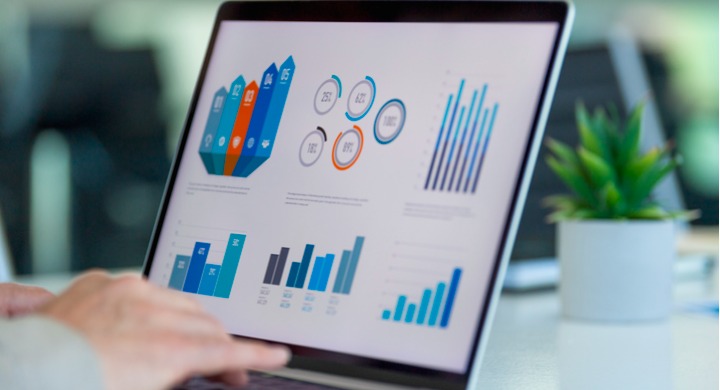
{"x":105,"y":103}
{"x":673,"y":115}
{"x":611,"y":75}
{"x":588,"y":75}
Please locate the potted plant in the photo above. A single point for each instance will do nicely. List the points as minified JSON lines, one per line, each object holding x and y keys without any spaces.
{"x":616,"y":245}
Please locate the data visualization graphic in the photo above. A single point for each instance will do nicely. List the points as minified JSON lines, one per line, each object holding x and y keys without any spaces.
{"x":462,"y":142}
{"x":433,"y":310}
{"x":194,"y":274}
{"x":321,"y":269}
{"x":243,"y":122}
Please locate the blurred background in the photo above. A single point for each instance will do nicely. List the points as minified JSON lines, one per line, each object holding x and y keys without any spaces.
{"x":94,"y":93}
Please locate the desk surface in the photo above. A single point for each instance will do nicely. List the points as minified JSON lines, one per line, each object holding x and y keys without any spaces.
{"x":532,"y":347}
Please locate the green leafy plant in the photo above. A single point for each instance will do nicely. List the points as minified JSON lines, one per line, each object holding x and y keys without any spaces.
{"x":608,"y":175}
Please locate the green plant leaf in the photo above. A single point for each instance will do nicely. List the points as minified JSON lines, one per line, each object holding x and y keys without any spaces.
{"x":598,"y":170}
{"x":585,"y":125}
{"x":562,"y":151}
{"x":613,"y":200}
{"x":649,"y":179}
{"x":630,"y":143}
{"x":573,"y":179}
{"x":650,"y":212}
{"x":638,"y":165}
{"x":606,"y":173}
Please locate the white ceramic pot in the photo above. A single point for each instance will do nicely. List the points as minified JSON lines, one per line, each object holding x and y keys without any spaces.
{"x":616,"y":270}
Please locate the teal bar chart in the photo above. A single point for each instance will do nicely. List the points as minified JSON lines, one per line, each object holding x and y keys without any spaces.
{"x":193,"y":274}
{"x":434,"y":308}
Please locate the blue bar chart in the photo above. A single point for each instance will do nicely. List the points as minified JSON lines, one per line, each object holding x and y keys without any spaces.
{"x":434,"y":308}
{"x":243,"y":122}
{"x":193,"y":274}
{"x":462,"y":141}
{"x":316,"y":278}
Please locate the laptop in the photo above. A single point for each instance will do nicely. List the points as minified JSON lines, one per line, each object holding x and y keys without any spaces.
{"x":350,"y":179}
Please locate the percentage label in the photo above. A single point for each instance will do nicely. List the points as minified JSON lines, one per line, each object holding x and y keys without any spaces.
{"x":361,"y":99}
{"x":389,"y":121}
{"x":312,"y":147}
{"x":327,"y":95}
{"x":347,"y":148}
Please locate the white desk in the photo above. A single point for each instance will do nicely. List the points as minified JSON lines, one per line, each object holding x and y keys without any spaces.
{"x":531,"y":347}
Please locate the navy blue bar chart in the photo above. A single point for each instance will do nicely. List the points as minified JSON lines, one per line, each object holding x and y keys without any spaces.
{"x":193,"y":274}
{"x":434,"y":308}
{"x":462,"y":142}
{"x":316,"y":278}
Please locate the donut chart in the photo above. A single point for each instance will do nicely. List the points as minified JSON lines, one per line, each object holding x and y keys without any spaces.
{"x":347,"y":148}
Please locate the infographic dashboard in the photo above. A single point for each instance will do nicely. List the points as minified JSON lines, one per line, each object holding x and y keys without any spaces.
{"x":345,"y":188}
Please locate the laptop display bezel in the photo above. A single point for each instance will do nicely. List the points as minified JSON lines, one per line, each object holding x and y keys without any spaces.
{"x":379,"y":12}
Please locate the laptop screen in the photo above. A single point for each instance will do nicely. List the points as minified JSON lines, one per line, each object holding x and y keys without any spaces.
{"x":346,"y":186}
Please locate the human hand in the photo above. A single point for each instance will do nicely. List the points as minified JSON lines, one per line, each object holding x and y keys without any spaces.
{"x":16,"y":299}
{"x":151,"y":338}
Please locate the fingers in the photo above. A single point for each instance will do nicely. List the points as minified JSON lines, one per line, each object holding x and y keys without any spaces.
{"x":233,"y":378}
{"x":16,"y":299}
{"x":238,"y":355}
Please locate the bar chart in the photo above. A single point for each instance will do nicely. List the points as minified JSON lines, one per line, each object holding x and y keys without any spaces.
{"x":319,"y":273}
{"x":243,"y":122}
{"x":193,"y":274}
{"x":462,"y":141}
{"x":434,"y":309}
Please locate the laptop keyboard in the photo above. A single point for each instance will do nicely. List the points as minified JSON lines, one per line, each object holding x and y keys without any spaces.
{"x":258,"y":381}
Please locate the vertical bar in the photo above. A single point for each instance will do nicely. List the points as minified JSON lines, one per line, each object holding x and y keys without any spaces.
{"x":277,"y":105}
{"x":211,"y":128}
{"x":424,"y":304}
{"x":325,"y":276}
{"x":475,"y":152}
{"x":452,"y":149}
{"x":472,"y":136}
{"x":437,"y":302}
{"x":457,"y":273}
{"x":462,"y":140}
{"x":399,"y":308}
{"x":280,"y":266}
{"x":386,"y":314}
{"x":230,"y":264}
{"x":209,"y":279}
{"x":447,"y":136}
{"x":437,"y":143}
{"x":180,"y":268}
{"x":270,"y":270}
{"x":352,"y":266}
{"x":410,"y":313}
{"x":294,"y":268}
{"x":197,"y":264}
{"x":315,"y":275}
{"x":304,"y":266}
{"x":485,"y":146}
{"x":240,"y":128}
{"x":340,"y":277}
{"x":227,"y":119}
{"x":257,"y":121}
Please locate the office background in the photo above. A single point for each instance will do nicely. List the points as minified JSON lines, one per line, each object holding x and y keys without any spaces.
{"x":93,"y":96}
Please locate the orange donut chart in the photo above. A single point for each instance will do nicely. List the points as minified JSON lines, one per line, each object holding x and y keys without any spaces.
{"x":351,"y":146}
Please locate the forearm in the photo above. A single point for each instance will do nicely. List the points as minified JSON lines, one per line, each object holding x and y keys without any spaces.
{"x":37,"y":352}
